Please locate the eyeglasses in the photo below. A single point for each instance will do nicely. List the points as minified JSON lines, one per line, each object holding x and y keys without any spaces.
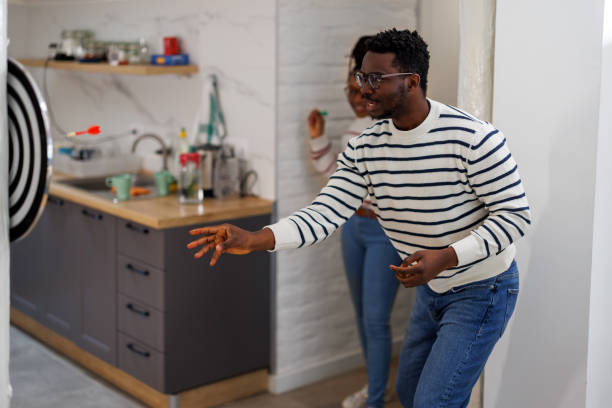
{"x":374,"y":79}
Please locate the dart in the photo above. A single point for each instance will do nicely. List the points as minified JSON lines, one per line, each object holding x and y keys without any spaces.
{"x":93,"y":130}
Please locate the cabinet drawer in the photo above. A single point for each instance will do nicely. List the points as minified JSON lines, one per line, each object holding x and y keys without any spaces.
{"x":141,"y":361}
{"x":141,"y":242}
{"x":141,"y":282}
{"x":141,"y":322}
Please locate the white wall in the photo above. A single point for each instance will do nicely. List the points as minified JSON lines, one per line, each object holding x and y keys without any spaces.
{"x":547,"y":101}
{"x":233,"y":38}
{"x":315,"y":326}
{"x":599,"y":380}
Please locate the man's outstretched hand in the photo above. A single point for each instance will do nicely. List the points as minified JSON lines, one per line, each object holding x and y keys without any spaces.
{"x":231,"y":239}
{"x":423,"y":266}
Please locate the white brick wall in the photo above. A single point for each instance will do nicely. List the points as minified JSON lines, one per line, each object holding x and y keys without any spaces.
{"x":316,"y":333}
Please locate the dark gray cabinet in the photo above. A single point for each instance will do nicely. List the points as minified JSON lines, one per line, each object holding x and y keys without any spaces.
{"x":96,"y":264}
{"x":136,"y":298}
{"x":61,"y":280}
{"x":182,"y":323}
{"x":63,"y":274}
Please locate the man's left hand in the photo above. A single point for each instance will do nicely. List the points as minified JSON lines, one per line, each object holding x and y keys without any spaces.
{"x":425,"y":265}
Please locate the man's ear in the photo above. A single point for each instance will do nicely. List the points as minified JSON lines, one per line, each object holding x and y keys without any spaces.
{"x":414,"y":81}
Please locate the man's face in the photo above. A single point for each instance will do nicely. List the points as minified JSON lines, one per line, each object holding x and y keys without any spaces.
{"x":389,"y":98}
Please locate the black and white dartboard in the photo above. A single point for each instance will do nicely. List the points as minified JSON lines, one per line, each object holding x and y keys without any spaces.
{"x":30,"y":150}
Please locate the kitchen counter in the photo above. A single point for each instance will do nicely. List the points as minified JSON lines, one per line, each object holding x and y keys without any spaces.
{"x":164,"y":212}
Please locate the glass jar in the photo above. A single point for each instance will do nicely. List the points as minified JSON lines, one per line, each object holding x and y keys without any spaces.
{"x":190,"y":179}
{"x":133,"y":53}
{"x":117,"y":54}
{"x":68,"y":43}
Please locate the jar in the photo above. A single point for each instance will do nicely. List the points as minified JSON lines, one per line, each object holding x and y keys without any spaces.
{"x":117,"y":54}
{"x":190,"y":179}
{"x":68,"y":43}
{"x":133,"y":53}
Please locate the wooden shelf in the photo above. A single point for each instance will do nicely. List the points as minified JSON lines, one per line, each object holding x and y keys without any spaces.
{"x":102,"y":67}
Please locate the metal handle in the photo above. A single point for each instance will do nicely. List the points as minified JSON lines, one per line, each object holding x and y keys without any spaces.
{"x":131,"y":307}
{"x":135,"y":350}
{"x":95,"y":216}
{"x":142,"y":272}
{"x":135,"y":228}
{"x":56,"y":201}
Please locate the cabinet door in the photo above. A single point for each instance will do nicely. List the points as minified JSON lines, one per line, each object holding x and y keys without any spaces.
{"x":61,"y":280}
{"x":28,"y":270}
{"x":97,"y":262}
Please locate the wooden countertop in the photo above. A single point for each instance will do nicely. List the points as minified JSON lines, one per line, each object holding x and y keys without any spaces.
{"x":164,"y":212}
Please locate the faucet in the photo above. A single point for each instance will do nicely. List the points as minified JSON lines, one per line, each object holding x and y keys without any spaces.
{"x":164,"y":149}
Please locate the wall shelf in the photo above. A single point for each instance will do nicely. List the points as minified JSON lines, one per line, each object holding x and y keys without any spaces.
{"x":102,"y":67}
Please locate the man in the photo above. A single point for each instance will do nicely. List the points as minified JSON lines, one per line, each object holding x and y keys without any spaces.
{"x":448,"y":194}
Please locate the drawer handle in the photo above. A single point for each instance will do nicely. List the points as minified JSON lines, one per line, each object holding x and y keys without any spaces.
{"x":89,"y":214}
{"x":140,"y":352}
{"x":136,"y":270}
{"x":131,"y":307}
{"x":57,"y":201}
{"x":134,"y":228}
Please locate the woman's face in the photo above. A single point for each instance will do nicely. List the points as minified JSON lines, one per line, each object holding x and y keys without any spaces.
{"x":353,"y":94}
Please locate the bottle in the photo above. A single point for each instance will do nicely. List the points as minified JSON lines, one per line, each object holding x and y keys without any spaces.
{"x":181,"y":145}
{"x":190,"y":179}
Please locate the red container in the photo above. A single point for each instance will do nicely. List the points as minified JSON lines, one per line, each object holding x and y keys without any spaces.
{"x":171,"y":46}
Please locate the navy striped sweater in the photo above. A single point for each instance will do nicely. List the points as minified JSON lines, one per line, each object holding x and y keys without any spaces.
{"x":451,"y":181}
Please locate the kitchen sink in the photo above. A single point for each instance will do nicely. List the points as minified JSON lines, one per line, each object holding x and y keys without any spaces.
{"x":97,"y":185}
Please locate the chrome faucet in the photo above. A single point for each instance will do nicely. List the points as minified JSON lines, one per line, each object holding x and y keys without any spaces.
{"x":164,"y":149}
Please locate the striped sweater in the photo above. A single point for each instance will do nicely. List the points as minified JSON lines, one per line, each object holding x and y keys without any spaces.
{"x":451,"y":181}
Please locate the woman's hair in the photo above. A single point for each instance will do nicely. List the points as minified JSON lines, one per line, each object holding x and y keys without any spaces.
{"x":359,"y":51}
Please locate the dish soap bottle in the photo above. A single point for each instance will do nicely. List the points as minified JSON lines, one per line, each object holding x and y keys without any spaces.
{"x":181,"y":145}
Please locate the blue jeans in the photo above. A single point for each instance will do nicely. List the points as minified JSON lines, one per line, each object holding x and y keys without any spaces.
{"x":367,"y":255}
{"x":449,"y":339}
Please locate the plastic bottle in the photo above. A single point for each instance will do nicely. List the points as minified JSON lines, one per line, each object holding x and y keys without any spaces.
{"x":181,"y":145}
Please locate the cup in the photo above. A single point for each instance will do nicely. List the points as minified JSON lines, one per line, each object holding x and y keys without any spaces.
{"x":122,"y":184}
{"x":171,"y":46}
{"x":163,"y":179}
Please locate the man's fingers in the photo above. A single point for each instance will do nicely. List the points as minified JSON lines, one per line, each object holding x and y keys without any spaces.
{"x":411,"y":259}
{"x":216,"y":255}
{"x":204,"y":250}
{"x":200,"y":241}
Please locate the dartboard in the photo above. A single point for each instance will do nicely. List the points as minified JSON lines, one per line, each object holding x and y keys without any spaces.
{"x":30,"y":150}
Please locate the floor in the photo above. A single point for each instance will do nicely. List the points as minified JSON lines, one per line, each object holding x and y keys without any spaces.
{"x":43,"y":379}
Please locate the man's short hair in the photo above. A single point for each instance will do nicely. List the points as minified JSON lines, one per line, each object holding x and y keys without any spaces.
{"x":411,"y":54}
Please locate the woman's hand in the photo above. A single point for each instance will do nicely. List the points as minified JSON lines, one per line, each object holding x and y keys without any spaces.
{"x":423,"y":266}
{"x":316,"y":124}
{"x":231,"y":239}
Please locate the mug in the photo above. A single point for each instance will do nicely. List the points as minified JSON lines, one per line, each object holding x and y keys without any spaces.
{"x":163,"y":179}
{"x":122,"y":184}
{"x":171,"y":46}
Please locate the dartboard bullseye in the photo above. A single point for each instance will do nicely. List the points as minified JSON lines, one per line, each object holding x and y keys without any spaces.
{"x":30,"y":150}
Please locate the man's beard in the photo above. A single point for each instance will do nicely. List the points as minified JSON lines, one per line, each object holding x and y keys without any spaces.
{"x":397,"y":105}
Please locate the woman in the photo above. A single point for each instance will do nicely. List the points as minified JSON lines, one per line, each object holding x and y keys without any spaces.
{"x":366,"y":250}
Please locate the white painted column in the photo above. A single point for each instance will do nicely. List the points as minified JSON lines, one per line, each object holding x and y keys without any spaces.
{"x":4,"y":221}
{"x":475,"y":84}
{"x":476,"y":38}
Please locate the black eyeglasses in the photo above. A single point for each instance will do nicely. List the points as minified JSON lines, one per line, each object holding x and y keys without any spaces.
{"x":374,"y":79}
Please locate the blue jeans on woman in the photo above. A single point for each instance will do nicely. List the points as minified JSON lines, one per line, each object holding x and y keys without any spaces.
{"x":367,"y":255}
{"x":449,"y":338}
